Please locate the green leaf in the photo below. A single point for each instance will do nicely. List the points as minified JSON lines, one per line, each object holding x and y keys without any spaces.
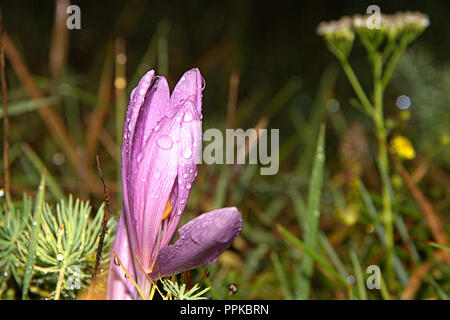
{"x":359,"y":274}
{"x":313,"y":213}
{"x":321,"y":261}
{"x":281,"y":276}
{"x":36,"y":225}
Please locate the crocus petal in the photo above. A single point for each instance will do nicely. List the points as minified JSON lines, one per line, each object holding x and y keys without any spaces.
{"x":137,"y":98}
{"x":201,"y":241}
{"x":189,"y":153}
{"x":139,"y":152}
{"x":161,"y":147}
{"x":167,"y":169}
{"x":189,"y":87}
{"x":119,"y":287}
{"x":187,"y":100}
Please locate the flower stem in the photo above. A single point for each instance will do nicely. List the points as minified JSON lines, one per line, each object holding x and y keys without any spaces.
{"x":357,"y":87}
{"x":383,"y":165}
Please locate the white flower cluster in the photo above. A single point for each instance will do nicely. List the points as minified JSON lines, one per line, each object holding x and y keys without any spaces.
{"x":344,"y":24}
{"x":393,"y":22}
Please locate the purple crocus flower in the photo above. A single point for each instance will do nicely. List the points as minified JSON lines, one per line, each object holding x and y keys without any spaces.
{"x":161,"y":149}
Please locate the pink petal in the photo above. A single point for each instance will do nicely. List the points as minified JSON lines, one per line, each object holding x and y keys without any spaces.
{"x":201,"y":241}
{"x":120,"y":288}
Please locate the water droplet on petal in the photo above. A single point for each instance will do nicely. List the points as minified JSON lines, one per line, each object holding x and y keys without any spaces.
{"x":164,"y":142}
{"x":188,"y":117}
{"x":116,"y":262}
{"x":203,"y":83}
{"x":187,"y":153}
{"x":188,"y":186}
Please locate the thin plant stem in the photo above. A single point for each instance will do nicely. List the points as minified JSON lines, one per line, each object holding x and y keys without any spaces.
{"x":357,"y":86}
{"x":121,"y":103}
{"x":383,"y":165}
{"x":5,"y":112}
{"x":390,"y":67}
{"x":103,"y":233}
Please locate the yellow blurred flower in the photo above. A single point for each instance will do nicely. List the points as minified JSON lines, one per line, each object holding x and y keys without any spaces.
{"x":445,"y":139}
{"x":405,"y":115}
{"x":403,"y":147}
{"x":349,"y":215}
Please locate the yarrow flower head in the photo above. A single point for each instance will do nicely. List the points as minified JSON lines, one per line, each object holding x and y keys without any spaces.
{"x":161,"y":149}
{"x":338,"y":34}
{"x":403,"y":26}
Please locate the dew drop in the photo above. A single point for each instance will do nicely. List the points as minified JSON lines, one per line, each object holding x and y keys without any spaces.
{"x":187,"y":153}
{"x":59,"y":257}
{"x":164,"y":142}
{"x":203,"y":83}
{"x":188,"y":186}
{"x":187,"y":117}
{"x":116,"y":262}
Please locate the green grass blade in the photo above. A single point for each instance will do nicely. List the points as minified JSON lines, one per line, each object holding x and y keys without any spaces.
{"x":299,"y":207}
{"x":39,"y":166}
{"x":313,"y":212}
{"x":281,"y":275}
{"x":359,"y":274}
{"x":21,"y":107}
{"x":35,"y":227}
{"x":384,"y":292}
{"x":328,"y":248}
{"x":379,"y":229}
{"x":321,"y":261}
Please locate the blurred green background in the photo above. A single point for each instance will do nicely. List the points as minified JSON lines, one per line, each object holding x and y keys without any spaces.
{"x":264,"y":66}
